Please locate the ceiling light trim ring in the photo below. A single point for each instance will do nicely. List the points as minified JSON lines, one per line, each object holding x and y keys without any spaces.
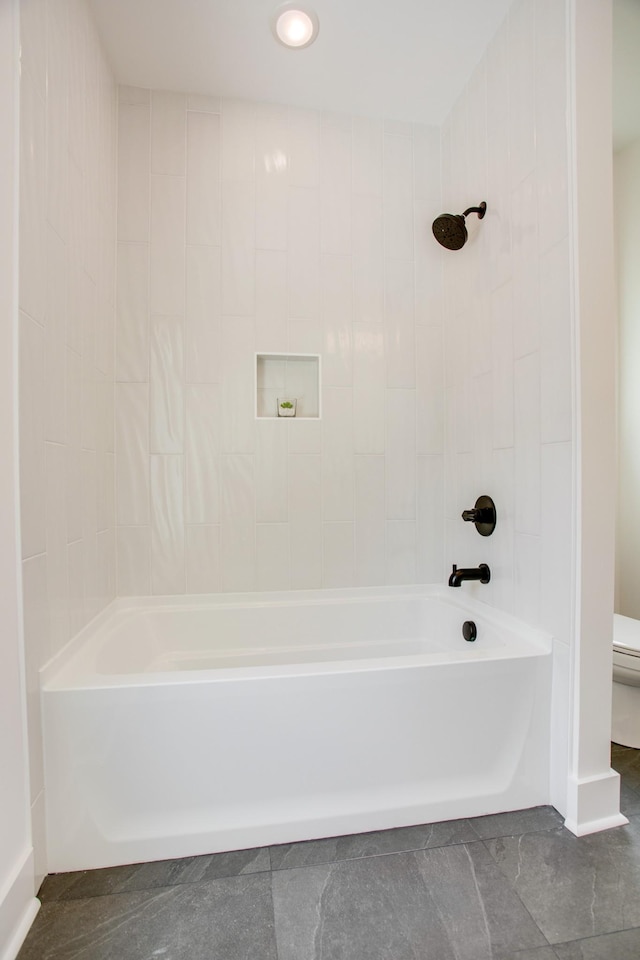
{"x":295,"y":34}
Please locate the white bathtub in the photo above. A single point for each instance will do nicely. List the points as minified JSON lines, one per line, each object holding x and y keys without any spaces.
{"x":182,"y":726}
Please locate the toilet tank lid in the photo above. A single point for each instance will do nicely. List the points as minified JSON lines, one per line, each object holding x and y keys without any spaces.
{"x":626,"y":634}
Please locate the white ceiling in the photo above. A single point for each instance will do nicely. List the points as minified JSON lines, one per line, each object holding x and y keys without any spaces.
{"x":626,"y":72}
{"x":403,"y":59}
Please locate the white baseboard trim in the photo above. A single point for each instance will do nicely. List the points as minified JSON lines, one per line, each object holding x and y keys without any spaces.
{"x":593,"y":804}
{"x":18,"y":907}
{"x":594,"y":826}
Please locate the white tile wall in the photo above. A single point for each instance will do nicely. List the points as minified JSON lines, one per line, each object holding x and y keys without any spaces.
{"x":508,"y":377}
{"x":67,"y":331}
{"x":297,"y":232}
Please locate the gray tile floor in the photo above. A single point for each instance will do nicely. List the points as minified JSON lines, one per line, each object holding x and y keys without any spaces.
{"x":515,"y":886}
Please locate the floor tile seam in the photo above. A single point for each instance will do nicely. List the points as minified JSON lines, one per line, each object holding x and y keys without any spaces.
{"x":273,"y":914}
{"x":527,"y":833}
{"x":594,"y":936}
{"x":373,"y":856}
{"x":547,"y":942}
{"x":154,"y":889}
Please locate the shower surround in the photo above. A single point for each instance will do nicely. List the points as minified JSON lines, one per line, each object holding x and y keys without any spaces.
{"x":244,"y":228}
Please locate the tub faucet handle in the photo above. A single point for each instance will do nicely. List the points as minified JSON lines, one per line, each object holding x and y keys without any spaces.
{"x":483,"y":514}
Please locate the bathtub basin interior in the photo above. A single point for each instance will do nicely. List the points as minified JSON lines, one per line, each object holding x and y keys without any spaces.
{"x":185,"y":726}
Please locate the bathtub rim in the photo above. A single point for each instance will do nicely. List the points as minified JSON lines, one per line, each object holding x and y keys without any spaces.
{"x":530,"y":641}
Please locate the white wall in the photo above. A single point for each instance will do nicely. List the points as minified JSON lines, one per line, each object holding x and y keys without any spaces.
{"x":529,"y":365}
{"x":627,"y":223}
{"x":17,"y":886}
{"x":67,"y":323}
{"x":248,"y":227}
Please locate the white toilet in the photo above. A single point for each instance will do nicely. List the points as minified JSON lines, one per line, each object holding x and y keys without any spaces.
{"x":625,"y":715}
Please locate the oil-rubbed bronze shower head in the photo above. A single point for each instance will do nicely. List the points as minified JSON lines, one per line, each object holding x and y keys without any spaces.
{"x":450,"y":229}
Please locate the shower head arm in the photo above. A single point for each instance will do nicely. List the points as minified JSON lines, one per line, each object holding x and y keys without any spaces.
{"x":481,"y":210}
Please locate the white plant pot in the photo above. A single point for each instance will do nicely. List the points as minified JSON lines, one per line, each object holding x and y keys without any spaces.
{"x":288,"y":411}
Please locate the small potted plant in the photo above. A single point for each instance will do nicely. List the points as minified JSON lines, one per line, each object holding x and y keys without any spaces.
{"x":287,"y":406}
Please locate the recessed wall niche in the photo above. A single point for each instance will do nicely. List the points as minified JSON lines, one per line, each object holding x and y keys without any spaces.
{"x":292,"y":378}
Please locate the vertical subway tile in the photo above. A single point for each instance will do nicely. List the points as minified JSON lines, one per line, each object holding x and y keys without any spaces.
{"x":304,"y":253}
{"x":273,"y":564}
{"x":76,"y":567}
{"x":204,"y":306}
{"x":202,"y":494}
{"x":167,"y":525}
{"x":400,"y":346}
{"x":32,"y":205}
{"x":37,"y":652}
{"x":304,"y":147}
{"x":73,"y":489}
{"x":132,"y":330}
{"x":132,"y":453}
{"x":527,"y":444}
{"x":367,"y":157}
{"x":522,"y":88}
{"x":338,"y":554}
{"x":134,"y":561}
{"x":400,"y":454}
{"x":369,"y":388}
{"x":203,"y":179}
{"x":56,"y":499}
{"x":271,"y":472}
{"x":401,"y":552}
{"x":237,"y":526}
{"x":336,"y":314}
{"x":238,"y":248}
{"x":429,"y":390}
{"x":398,"y":197}
{"x":166,"y":386}
{"x":337,"y":454}
{"x":167,"y":254}
{"x":202,"y":103}
{"x":526,"y":269}
{"x":238,"y":139}
{"x":133,"y":95}
{"x":168,"y":118}
{"x":370,"y":524}
{"x":527,"y":578}
{"x":204,"y":572}
{"x":335,"y":184}
{"x":305,"y":336}
{"x":368,"y":259}
{"x":502,"y":374}
{"x":55,"y":343}
{"x":271,"y":301}
{"x":134,"y":138}
{"x":238,"y":412}
{"x":427,"y":164}
{"x":305,"y":521}
{"x":33,"y":40}
{"x":305,"y":436}
{"x":272,"y":177}
{"x":430,"y":519}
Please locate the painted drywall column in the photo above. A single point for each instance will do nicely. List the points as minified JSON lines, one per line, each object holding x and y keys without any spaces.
{"x":627,"y":227}
{"x":18,"y":905}
{"x":593,"y":788}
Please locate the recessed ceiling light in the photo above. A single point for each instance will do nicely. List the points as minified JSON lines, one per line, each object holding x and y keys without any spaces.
{"x":295,"y":26}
